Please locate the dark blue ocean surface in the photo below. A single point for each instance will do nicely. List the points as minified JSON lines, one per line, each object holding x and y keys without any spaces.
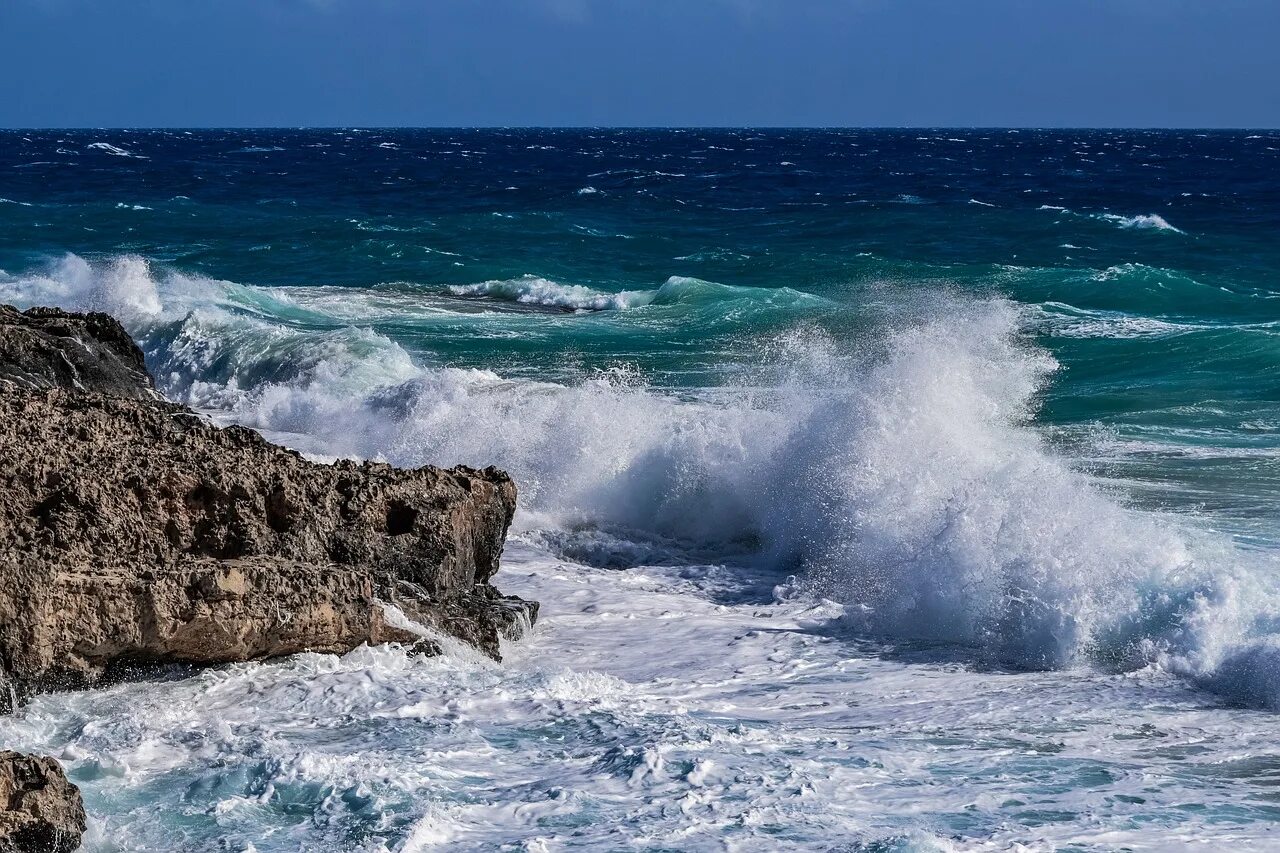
{"x":894,"y":488}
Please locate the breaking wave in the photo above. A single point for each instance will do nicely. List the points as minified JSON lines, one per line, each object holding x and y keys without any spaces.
{"x":1143,"y":220}
{"x":905,"y":479}
{"x":114,"y":150}
{"x":533,"y":290}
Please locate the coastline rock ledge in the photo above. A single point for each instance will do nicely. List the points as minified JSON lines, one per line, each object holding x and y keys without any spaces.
{"x":134,"y":532}
{"x":42,"y":811}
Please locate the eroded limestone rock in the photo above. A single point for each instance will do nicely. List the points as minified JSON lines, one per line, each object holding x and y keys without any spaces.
{"x":40,"y":811}
{"x":133,"y":531}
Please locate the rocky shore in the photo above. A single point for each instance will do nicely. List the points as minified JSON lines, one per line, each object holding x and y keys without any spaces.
{"x":135,"y":533}
{"x":40,"y":811}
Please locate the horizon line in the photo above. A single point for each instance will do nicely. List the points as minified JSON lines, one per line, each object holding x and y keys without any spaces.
{"x":670,"y":127}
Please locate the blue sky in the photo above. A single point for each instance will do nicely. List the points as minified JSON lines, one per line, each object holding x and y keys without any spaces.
{"x":1187,"y":63}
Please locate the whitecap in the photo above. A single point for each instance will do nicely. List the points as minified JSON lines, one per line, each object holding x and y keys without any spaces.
{"x":534,"y":290}
{"x":116,"y":151}
{"x":1152,"y":221}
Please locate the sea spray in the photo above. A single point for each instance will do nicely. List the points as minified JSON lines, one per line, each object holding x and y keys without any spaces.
{"x":903,"y":477}
{"x":841,"y":579}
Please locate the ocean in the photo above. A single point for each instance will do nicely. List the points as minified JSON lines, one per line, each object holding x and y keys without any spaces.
{"x":884,"y":490}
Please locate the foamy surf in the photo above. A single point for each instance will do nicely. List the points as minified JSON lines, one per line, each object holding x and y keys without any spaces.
{"x":673,"y":731}
{"x":856,"y":525}
{"x":903,"y":480}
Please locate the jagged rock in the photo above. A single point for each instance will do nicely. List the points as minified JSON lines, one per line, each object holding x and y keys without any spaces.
{"x":52,"y":348}
{"x":134,"y":532}
{"x":40,"y":811}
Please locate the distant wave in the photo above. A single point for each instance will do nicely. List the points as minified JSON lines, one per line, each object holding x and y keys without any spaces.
{"x":534,"y":290}
{"x":1142,"y":221}
{"x":1069,"y":321}
{"x":108,"y":148}
{"x":1143,"y":290}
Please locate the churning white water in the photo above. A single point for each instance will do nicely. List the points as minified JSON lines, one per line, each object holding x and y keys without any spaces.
{"x":850,"y":596}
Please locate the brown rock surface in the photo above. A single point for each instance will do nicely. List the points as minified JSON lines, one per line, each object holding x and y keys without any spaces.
{"x":40,"y":811}
{"x":133,"y":531}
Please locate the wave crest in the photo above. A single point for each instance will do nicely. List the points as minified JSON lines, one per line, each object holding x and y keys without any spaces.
{"x":1152,"y":221}
{"x":534,"y":290}
{"x":1143,"y":221}
{"x":904,"y":479}
{"x":114,"y":150}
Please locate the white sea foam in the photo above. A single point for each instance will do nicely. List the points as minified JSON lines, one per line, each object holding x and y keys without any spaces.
{"x":108,"y":148}
{"x":533,"y":290}
{"x":645,"y":713}
{"x":827,"y":555}
{"x":1069,"y":321}
{"x":903,"y":479}
{"x":1143,"y":221}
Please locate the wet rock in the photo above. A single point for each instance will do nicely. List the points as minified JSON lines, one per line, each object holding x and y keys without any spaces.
{"x":40,"y":811}
{"x":52,"y":348}
{"x":134,"y":532}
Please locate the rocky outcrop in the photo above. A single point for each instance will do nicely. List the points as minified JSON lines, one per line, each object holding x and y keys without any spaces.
{"x":52,"y":348}
{"x":134,"y":532}
{"x":40,"y":811}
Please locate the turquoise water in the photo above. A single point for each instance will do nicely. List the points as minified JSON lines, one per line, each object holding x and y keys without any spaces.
{"x":987,"y":417}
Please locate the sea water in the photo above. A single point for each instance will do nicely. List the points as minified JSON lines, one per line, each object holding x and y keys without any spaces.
{"x":883,"y":490}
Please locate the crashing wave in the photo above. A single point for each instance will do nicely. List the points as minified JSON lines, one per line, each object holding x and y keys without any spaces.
{"x":905,"y":480}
